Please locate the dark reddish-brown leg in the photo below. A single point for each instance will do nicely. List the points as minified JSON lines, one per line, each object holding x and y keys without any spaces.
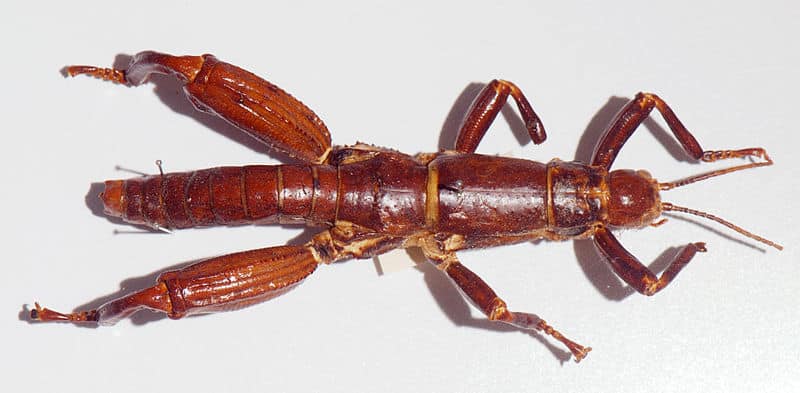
{"x":250,"y":103}
{"x":485,"y":109}
{"x":484,"y":298}
{"x":219,"y":284}
{"x":636,"y":111}
{"x":633,"y":272}
{"x":625,"y":265}
{"x":236,"y":280}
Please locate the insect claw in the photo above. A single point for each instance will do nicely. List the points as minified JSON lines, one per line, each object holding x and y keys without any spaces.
{"x":580,"y":352}
{"x":701,"y":247}
{"x":43,"y":314}
{"x":659,"y":223}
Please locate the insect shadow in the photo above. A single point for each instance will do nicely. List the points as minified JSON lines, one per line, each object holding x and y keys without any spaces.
{"x":458,"y":112}
{"x":595,"y":268}
{"x":591,"y":262}
{"x":460,"y":313}
{"x":130,"y":285}
{"x":169,"y":91}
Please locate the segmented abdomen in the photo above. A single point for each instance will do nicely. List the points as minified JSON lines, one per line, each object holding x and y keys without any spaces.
{"x":225,"y":196}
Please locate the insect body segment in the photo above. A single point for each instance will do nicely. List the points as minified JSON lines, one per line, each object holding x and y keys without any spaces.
{"x":226,"y":196}
{"x":371,"y":200}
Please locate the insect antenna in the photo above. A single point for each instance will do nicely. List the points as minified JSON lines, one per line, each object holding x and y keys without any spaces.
{"x":666,"y":206}
{"x":711,"y":156}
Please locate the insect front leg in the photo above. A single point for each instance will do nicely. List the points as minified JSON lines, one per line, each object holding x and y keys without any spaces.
{"x":484,"y":110}
{"x":250,"y":103}
{"x":633,"y":272}
{"x":637,"y":110}
{"x":482,"y":296}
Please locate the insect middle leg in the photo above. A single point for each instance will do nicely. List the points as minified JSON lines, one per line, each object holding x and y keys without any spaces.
{"x":484,"y":110}
{"x":482,"y":296}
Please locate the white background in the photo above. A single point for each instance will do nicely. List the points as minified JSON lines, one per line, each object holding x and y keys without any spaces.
{"x":397,"y":75}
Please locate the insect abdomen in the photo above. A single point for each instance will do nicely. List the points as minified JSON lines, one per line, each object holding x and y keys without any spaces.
{"x":225,"y":196}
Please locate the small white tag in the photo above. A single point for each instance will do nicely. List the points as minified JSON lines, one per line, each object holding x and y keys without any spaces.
{"x":394,"y":261}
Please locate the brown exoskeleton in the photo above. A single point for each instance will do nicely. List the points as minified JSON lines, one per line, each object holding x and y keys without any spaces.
{"x":373,"y":200}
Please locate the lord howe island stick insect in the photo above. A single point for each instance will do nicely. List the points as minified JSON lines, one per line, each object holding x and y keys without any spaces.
{"x":372,"y":200}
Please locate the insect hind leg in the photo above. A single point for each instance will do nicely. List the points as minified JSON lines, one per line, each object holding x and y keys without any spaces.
{"x":241,"y":98}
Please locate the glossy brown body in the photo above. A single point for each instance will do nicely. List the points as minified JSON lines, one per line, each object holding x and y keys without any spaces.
{"x":371,"y":200}
{"x":226,"y":196}
{"x":484,"y":198}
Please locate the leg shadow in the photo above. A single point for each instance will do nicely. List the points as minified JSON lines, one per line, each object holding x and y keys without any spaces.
{"x":460,"y":110}
{"x":459,"y":312}
{"x":605,"y":116}
{"x":603,"y":278}
{"x":170,"y":91}
{"x":592,"y":263}
{"x":127,"y":287}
